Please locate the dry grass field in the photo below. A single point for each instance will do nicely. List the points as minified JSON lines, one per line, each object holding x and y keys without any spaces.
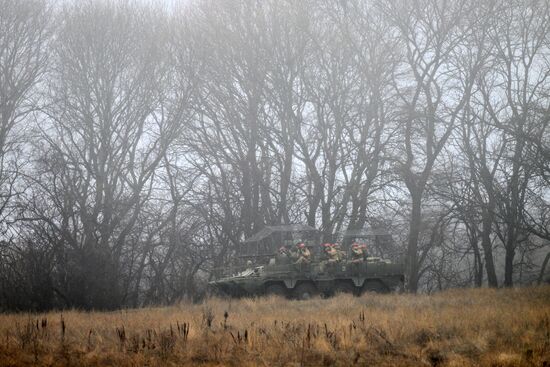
{"x":454,"y":328}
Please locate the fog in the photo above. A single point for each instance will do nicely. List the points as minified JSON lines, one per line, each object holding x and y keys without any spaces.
{"x":141,"y":143}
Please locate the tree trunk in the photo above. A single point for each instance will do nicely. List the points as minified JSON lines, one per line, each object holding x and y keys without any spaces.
{"x":412,"y":246}
{"x":509,"y":265}
{"x":478,"y":271}
{"x":487,"y":223}
{"x":543,"y":268}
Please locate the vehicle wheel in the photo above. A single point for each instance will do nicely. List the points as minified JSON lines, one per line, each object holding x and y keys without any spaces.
{"x":345,"y":287}
{"x":400,"y":287}
{"x":276,"y":289}
{"x":305,"y":291}
{"x":375,"y":286}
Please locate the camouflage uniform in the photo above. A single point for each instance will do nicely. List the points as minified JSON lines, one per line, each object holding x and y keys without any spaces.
{"x":341,"y":253}
{"x":333,"y":254}
{"x":304,"y":255}
{"x":324,"y":255}
{"x":293,"y":254}
{"x":365,"y":252}
{"x":357,"y":253}
{"x":283,"y":257}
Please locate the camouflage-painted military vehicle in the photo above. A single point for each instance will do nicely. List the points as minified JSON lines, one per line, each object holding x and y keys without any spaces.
{"x":302,"y":281}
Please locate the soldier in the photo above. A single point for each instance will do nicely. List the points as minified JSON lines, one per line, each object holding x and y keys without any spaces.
{"x":293,"y":253}
{"x":304,"y":255}
{"x":338,"y":248}
{"x":332,"y":253}
{"x":283,"y":256}
{"x":357,"y":253}
{"x":365,"y":252}
{"x":325,"y":252}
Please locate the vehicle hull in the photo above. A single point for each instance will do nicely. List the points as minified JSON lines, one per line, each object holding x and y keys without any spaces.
{"x":295,"y":280}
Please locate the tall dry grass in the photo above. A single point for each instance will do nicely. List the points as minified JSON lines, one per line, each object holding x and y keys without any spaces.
{"x":454,"y":328}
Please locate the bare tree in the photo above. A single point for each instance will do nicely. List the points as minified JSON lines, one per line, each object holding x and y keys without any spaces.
{"x":108,"y":126}
{"x":24,"y":35}
{"x":483,"y":147}
{"x":156,"y":140}
{"x":440,"y":59}
{"x":513,"y":93}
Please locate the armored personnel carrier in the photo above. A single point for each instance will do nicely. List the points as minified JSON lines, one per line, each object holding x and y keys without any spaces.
{"x":265,"y":274}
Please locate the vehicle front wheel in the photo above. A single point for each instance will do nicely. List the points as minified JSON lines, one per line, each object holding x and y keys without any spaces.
{"x":276,"y":289}
{"x":305,"y":291}
{"x":375,"y":286}
{"x":345,"y":287}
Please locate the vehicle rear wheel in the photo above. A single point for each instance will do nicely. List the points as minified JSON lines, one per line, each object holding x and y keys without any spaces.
{"x":399,"y":288}
{"x":345,"y":287}
{"x":276,"y":289}
{"x":374,"y":286}
{"x":304,"y":291}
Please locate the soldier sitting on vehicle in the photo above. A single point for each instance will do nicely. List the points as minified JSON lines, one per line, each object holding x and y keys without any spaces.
{"x":293,"y":253}
{"x":341,"y":253}
{"x":324,"y":252}
{"x":365,"y":251}
{"x":331,"y":253}
{"x":358,"y":253}
{"x":331,"y":258}
{"x":283,"y":256}
{"x":304,"y":255}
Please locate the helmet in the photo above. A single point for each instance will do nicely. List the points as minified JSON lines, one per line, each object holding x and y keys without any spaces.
{"x":282,"y":249}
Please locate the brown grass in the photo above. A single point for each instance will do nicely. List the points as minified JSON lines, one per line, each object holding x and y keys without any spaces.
{"x":454,"y":328}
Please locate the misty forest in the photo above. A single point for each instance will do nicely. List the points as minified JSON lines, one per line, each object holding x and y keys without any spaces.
{"x":141,"y":143}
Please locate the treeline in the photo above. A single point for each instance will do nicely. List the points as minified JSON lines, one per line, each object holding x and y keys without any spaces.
{"x":139,"y":144}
